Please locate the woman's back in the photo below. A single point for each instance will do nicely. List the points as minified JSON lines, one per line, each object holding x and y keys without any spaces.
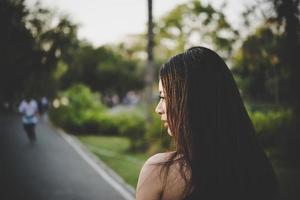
{"x":171,"y":188}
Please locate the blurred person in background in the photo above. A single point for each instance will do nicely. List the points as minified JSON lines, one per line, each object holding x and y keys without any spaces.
{"x":43,"y":105}
{"x":29,"y":110}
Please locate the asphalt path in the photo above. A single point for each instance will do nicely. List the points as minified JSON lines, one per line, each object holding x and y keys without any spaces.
{"x":49,"y":169}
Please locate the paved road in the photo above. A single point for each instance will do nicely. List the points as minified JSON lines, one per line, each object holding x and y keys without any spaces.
{"x":50,"y":169}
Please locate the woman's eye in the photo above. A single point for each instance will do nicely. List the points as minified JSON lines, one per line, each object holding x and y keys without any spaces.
{"x":160,"y":97}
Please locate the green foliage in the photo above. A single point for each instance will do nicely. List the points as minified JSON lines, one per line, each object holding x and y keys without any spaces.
{"x":194,"y":22}
{"x":131,"y":123}
{"x":258,"y":64}
{"x":103,"y":70}
{"x":100,"y":123}
{"x":82,"y":98}
{"x":81,"y":110}
{"x":271,"y":124}
{"x":55,"y":37}
{"x":32,"y":43}
{"x":17,"y":53}
{"x":85,"y":114}
{"x":267,"y":59}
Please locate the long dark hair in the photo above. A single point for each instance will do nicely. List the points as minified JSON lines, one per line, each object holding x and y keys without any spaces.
{"x":212,"y":132}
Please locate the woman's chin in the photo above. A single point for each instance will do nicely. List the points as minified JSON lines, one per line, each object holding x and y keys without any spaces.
{"x":169,"y":132}
{"x":165,"y":124}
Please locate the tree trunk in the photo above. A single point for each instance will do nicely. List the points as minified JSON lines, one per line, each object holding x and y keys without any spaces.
{"x":149,"y":77}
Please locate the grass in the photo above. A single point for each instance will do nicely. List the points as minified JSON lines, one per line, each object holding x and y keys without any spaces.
{"x":289,"y":182}
{"x":114,"y":152}
{"x":288,"y":173}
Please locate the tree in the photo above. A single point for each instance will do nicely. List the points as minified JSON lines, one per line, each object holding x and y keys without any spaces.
{"x":257,"y":63}
{"x":288,"y":15}
{"x":285,"y":14}
{"x":31,"y":47}
{"x":103,"y":70}
{"x":17,"y":53}
{"x":149,"y":76}
{"x":54,"y":42}
{"x":195,"y":23}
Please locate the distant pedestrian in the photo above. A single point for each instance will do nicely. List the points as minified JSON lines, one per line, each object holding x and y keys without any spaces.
{"x":29,"y":110}
{"x":44,"y":105}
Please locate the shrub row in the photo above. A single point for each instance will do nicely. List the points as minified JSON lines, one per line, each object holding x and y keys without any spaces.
{"x":85,"y":114}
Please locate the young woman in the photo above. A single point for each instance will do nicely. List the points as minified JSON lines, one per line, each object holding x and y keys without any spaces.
{"x":217,"y":155}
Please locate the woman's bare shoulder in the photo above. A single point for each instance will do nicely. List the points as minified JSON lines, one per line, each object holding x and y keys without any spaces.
{"x":159,"y":158}
{"x":154,"y":163}
{"x":150,"y":182}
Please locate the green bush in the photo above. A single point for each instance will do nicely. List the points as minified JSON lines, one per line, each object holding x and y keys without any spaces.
{"x":76,"y":114}
{"x":85,"y":114}
{"x":271,"y":122}
{"x":131,"y":123}
{"x":100,"y":123}
{"x":271,"y":125}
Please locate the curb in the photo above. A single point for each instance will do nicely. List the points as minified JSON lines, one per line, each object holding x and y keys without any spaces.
{"x":117,"y":182}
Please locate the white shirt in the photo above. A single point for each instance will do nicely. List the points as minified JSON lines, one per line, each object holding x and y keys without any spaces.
{"x":44,"y":101}
{"x":29,"y":110}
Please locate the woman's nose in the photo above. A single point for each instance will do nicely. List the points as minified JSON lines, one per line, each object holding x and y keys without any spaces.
{"x":158,"y":109}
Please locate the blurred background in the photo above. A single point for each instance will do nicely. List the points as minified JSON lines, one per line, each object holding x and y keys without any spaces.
{"x":97,"y":62}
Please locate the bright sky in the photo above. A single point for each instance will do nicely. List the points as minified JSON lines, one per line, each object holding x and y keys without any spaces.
{"x":109,"y":21}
